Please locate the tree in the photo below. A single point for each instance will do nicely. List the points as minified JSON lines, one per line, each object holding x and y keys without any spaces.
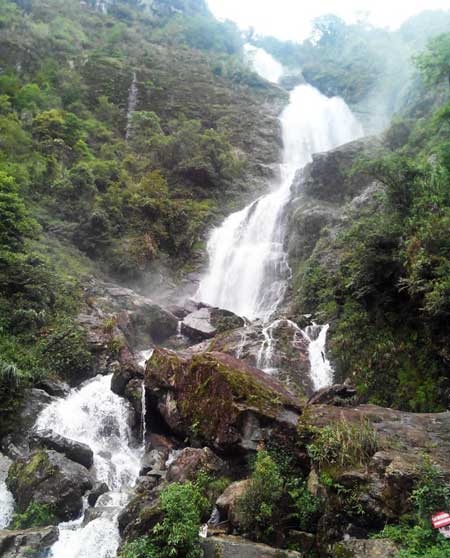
{"x":434,"y":62}
{"x":15,"y":224}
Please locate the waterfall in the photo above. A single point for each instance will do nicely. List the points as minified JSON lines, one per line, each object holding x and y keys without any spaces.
{"x":248,"y":270}
{"x":132,"y":104}
{"x":263,"y":64}
{"x":6,"y":498}
{"x":144,"y":356}
{"x":94,"y":415}
{"x":321,"y":370}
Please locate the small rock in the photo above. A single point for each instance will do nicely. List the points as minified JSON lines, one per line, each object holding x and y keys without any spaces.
{"x":57,"y":389}
{"x":191,"y":461}
{"x":227,"y":502}
{"x":154,"y":463}
{"x":96,"y":492}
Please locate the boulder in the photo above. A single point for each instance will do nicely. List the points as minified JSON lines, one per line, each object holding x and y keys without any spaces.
{"x":49,"y":478}
{"x":26,"y":543}
{"x":361,"y":548}
{"x":340,"y":395}
{"x":128,"y":369}
{"x":99,"y":489}
{"x":218,"y":401}
{"x":236,"y":547}
{"x":143,"y":511}
{"x":76,"y":451}
{"x":381,"y":488}
{"x":191,"y":461}
{"x":279,"y":348}
{"x":154,"y":463}
{"x":226,"y":503}
{"x":206,"y":322}
{"x":53,"y":387}
{"x":151,"y":321}
{"x":15,"y":444}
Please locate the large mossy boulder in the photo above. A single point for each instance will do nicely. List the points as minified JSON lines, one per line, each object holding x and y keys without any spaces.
{"x":217,"y":400}
{"x":47,"y":478}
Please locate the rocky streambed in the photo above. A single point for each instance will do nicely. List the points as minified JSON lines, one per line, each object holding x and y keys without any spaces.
{"x":97,"y":454}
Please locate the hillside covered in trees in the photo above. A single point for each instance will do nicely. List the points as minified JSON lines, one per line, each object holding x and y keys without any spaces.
{"x":130,"y":129}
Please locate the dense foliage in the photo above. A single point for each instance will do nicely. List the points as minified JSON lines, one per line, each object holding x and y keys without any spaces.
{"x":176,"y":536}
{"x":276,"y":500}
{"x":415,"y":536}
{"x":390,"y":295}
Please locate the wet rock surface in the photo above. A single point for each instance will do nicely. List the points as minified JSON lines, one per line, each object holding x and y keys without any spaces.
{"x":16,"y":444}
{"x":76,"y":451}
{"x":49,"y":478}
{"x":232,"y":405}
{"x":28,"y":542}
{"x":279,"y":348}
{"x":236,"y":547}
{"x":207,"y":322}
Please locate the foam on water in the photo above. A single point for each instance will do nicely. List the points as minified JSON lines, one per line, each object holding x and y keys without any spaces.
{"x":94,"y":415}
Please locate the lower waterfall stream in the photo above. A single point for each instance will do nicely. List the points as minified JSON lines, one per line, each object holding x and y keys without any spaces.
{"x":94,"y":415}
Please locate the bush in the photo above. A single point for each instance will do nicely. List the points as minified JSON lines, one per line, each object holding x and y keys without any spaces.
{"x":177,"y":535}
{"x":36,"y":515}
{"x":344,"y":444}
{"x":259,"y":510}
{"x":431,"y":495}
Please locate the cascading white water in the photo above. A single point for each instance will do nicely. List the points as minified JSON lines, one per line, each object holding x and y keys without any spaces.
{"x":143,"y":357}
{"x":132,"y":104}
{"x":248,"y":270}
{"x":96,"y":416}
{"x":263,"y":64}
{"x":6,"y":498}
{"x":321,"y":370}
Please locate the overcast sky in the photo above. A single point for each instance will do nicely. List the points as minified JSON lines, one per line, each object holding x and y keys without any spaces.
{"x":290,"y":19}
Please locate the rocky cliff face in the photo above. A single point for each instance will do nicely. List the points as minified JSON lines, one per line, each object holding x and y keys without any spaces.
{"x":326,"y":198}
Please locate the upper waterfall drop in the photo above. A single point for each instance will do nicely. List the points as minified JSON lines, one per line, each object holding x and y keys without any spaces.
{"x":248,"y":269}
{"x":263,"y":64}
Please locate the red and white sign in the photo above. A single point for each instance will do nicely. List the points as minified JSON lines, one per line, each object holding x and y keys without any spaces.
{"x":441,"y":519}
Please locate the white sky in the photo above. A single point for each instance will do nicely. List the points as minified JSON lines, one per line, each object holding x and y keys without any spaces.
{"x":290,"y":19}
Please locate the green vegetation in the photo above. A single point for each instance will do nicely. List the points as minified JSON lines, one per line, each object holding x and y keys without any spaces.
{"x":343,"y":444}
{"x":389,"y":297}
{"x":36,"y":515}
{"x":276,"y":500}
{"x":415,"y":536}
{"x":176,"y":536}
